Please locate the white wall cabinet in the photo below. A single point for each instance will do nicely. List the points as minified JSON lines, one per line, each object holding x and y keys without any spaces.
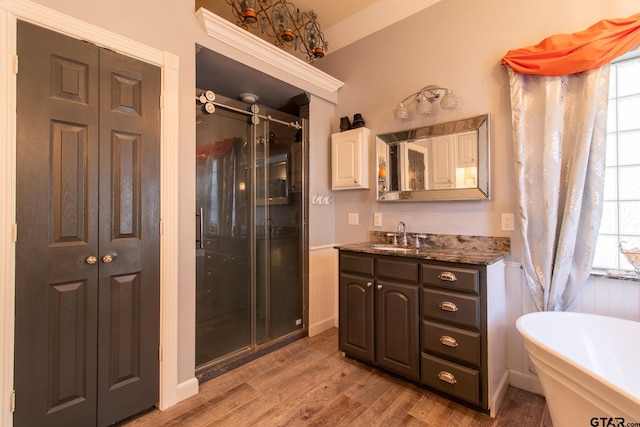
{"x":467,"y":149}
{"x":443,"y":162}
{"x":350,"y":159}
{"x":449,"y":154}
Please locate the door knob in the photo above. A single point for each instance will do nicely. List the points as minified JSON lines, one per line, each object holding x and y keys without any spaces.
{"x":107,"y":258}
{"x":91,"y":260}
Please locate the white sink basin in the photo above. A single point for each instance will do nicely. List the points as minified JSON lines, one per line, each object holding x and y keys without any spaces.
{"x":390,"y":248}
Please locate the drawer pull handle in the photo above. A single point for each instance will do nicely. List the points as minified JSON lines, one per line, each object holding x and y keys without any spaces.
{"x":447,"y":377}
{"x":448,"y":306}
{"x":448,"y":341}
{"x":447,"y":276}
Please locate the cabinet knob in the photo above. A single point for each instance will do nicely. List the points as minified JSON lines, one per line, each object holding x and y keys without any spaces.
{"x":448,"y":306}
{"x":355,"y":181}
{"x":369,"y":284}
{"x":448,"y":341}
{"x":447,"y":377}
{"x":379,"y":287}
{"x":447,"y":276}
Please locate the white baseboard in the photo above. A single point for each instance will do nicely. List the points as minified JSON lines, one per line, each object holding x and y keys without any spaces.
{"x":187,"y":389}
{"x":321,"y":326}
{"x":498,"y":396}
{"x":528,"y":382}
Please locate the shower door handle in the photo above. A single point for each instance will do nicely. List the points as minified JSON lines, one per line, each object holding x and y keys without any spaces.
{"x":201,"y":234}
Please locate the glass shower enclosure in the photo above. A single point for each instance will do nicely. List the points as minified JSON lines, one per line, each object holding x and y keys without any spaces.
{"x":249,"y":228}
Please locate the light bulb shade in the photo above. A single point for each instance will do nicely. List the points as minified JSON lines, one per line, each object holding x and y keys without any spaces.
{"x":401,"y":112}
{"x":448,"y":101}
{"x":424,"y":106}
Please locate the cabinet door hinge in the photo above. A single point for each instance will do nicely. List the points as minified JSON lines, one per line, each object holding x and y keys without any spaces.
{"x":15,"y":64}
{"x":12,"y":401}
{"x":14,"y":232}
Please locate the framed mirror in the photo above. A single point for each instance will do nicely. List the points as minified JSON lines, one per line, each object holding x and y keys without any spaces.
{"x":444,"y":161}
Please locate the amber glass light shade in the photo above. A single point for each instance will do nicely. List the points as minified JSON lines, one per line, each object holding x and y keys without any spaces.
{"x":250,"y":16}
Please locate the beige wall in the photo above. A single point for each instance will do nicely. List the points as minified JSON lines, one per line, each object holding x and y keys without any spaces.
{"x":457,"y":44}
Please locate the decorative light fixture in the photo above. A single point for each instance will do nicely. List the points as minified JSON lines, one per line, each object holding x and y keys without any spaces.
{"x":283,"y":21}
{"x":424,"y":98}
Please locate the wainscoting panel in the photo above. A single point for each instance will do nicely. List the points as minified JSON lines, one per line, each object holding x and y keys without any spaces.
{"x":323,"y":288}
{"x":600,"y":295}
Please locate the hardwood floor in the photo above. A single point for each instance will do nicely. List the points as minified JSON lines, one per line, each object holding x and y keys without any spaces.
{"x":310,"y":383}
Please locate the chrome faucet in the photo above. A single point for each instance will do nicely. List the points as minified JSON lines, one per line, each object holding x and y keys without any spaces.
{"x":404,"y":232}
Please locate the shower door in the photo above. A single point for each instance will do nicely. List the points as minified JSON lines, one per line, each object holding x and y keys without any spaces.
{"x":249,"y":230}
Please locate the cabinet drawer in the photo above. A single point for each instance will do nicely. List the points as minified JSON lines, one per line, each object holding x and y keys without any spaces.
{"x":356,"y":263}
{"x":460,"y":279}
{"x":397,"y":269}
{"x":451,"y":342}
{"x":451,"y":378}
{"x":451,"y":307}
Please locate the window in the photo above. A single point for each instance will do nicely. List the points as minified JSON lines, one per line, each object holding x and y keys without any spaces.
{"x":621,"y":210}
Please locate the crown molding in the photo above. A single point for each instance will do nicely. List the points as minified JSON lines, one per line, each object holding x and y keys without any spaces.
{"x":316,"y":81}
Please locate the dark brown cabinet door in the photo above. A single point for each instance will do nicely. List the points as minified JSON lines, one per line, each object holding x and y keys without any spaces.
{"x":87,"y":254}
{"x":356,"y":316}
{"x":397,"y":335}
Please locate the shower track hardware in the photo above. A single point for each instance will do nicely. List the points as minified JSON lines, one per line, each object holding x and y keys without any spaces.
{"x":208,"y":97}
{"x":200,"y":215}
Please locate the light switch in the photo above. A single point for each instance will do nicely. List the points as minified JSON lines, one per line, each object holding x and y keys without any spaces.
{"x":377,"y":219}
{"x":353,"y":219}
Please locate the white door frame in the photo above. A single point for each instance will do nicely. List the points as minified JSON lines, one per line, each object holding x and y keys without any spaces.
{"x":10,"y":12}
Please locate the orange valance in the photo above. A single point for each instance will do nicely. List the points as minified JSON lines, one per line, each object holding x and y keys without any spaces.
{"x":564,"y":54}
{"x":216,"y":149}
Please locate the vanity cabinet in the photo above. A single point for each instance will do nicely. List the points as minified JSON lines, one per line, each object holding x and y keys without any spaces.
{"x":379,"y":311}
{"x":356,"y":305}
{"x":350,"y":159}
{"x":441,"y":324}
{"x":451,"y":325}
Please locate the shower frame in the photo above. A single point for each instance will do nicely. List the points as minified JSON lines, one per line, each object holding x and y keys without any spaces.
{"x":255,"y":117}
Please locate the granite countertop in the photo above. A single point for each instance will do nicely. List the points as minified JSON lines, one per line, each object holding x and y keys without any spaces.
{"x":478,"y":250}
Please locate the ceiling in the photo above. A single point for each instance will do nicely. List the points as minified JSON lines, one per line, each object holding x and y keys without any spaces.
{"x":330,"y":12}
{"x":342,"y":22}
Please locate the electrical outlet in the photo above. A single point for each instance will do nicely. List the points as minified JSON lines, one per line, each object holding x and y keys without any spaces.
{"x":353,"y":219}
{"x":377,"y":219}
{"x":507,"y":222}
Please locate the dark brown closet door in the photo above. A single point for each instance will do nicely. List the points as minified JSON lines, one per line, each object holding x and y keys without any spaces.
{"x":87,"y":254}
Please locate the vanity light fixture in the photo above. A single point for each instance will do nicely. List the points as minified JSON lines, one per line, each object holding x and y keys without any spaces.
{"x":283,"y":21}
{"x":424,"y":98}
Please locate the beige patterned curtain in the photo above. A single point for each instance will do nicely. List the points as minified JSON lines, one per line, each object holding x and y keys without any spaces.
{"x":559,"y":131}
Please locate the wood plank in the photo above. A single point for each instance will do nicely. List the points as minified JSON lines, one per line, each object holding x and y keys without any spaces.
{"x":310,"y":383}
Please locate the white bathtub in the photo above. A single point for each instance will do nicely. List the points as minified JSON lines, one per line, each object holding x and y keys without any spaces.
{"x":589,"y":366}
